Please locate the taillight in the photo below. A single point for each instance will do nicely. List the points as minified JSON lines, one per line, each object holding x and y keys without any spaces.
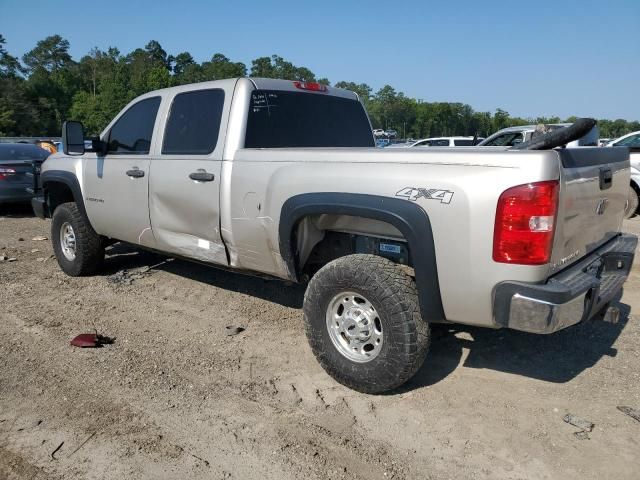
{"x":525,"y":222}
{"x":4,"y":172}
{"x":313,"y":86}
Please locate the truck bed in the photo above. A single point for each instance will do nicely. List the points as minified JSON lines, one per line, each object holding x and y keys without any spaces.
{"x":457,"y":187}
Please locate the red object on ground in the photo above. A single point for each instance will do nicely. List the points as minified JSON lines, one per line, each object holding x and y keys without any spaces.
{"x":86,"y":340}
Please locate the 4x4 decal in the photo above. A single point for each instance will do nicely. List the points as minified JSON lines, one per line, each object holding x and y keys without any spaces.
{"x":413,"y":194}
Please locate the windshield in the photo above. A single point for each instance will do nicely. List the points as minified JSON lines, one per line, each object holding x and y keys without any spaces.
{"x":632,"y":141}
{"x":279,"y":119}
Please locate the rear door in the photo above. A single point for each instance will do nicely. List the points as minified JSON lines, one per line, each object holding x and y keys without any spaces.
{"x":116,"y":185}
{"x":184,"y":198}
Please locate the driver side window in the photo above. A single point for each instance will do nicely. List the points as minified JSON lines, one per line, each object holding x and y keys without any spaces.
{"x":132,"y":133}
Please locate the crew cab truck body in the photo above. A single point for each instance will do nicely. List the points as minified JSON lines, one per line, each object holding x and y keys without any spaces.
{"x":281,"y":178}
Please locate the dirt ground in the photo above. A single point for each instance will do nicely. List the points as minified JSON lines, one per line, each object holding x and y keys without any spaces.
{"x":174,"y":397}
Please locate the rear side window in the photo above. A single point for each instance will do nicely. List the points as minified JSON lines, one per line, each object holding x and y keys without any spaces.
{"x":132,"y":132}
{"x":440,"y":142}
{"x":463,"y":143}
{"x":279,"y":119}
{"x":194,"y":123}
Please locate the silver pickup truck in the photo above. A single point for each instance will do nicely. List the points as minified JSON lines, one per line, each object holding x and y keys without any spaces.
{"x":282,"y":178}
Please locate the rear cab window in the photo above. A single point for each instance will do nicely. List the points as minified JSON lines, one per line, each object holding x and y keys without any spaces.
{"x":281,"y":119}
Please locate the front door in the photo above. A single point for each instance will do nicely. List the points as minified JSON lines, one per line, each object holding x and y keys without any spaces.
{"x":116,"y":185}
{"x":184,"y":186}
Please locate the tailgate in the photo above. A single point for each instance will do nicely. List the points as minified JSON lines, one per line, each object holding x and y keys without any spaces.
{"x":594,"y":185}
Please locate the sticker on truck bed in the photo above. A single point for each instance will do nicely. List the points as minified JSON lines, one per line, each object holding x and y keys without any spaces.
{"x":413,"y":194}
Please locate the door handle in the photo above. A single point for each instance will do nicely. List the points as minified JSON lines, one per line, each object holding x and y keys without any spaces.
{"x":135,"y":173}
{"x":202,"y":176}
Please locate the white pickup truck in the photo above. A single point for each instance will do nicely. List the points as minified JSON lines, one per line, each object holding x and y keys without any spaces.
{"x":282,"y":178}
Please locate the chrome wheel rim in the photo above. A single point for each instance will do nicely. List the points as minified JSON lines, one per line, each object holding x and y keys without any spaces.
{"x":68,"y":241}
{"x":354,"y":327}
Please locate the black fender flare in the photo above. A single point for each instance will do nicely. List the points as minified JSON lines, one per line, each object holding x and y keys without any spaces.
{"x":71,"y":181}
{"x":409,"y":218}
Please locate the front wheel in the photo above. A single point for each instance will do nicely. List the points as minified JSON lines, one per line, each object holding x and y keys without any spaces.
{"x":363,"y":322}
{"x":78,"y":248}
{"x":632,"y":203}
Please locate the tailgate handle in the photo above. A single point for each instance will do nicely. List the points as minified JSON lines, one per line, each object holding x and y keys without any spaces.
{"x":606,"y":178}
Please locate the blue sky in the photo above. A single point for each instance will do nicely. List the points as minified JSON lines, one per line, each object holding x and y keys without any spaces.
{"x":562,"y":57}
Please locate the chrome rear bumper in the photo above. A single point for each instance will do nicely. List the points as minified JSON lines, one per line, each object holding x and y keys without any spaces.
{"x":575,"y":294}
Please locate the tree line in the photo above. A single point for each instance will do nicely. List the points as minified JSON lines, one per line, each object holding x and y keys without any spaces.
{"x":47,"y":86}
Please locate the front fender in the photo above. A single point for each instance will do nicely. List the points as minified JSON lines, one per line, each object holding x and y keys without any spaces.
{"x":69,"y":180}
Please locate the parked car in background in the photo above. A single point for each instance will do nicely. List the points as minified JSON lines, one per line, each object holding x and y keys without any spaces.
{"x":378,"y":132}
{"x":382,"y":142}
{"x":440,"y":142}
{"x":16,"y":160}
{"x":508,"y":137}
{"x":391,"y":133}
{"x":632,"y":142}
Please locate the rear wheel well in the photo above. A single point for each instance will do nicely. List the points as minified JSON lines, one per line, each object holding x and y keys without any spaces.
{"x":320,"y":239}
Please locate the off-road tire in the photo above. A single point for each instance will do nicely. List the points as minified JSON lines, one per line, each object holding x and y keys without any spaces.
{"x":394,"y":296}
{"x":631,"y":207}
{"x":89,"y":246}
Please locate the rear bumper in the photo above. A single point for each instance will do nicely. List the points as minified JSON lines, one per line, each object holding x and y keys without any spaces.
{"x":573,"y":295}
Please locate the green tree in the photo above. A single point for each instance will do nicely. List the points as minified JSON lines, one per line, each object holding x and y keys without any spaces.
{"x":220,"y":67}
{"x":157,"y":55}
{"x":362,"y":89}
{"x":181,"y":62}
{"x":51,"y":86}
{"x":50,"y":54}
{"x":277,"y":67}
{"x":9,"y":65}
{"x":52,"y":79}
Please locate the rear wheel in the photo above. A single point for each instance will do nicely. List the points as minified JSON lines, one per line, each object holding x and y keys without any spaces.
{"x":78,"y":248}
{"x":363,"y":322}
{"x":632,"y":203}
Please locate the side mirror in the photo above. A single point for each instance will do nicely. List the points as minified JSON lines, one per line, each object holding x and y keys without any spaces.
{"x":73,"y":138}
{"x":98,"y":146}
